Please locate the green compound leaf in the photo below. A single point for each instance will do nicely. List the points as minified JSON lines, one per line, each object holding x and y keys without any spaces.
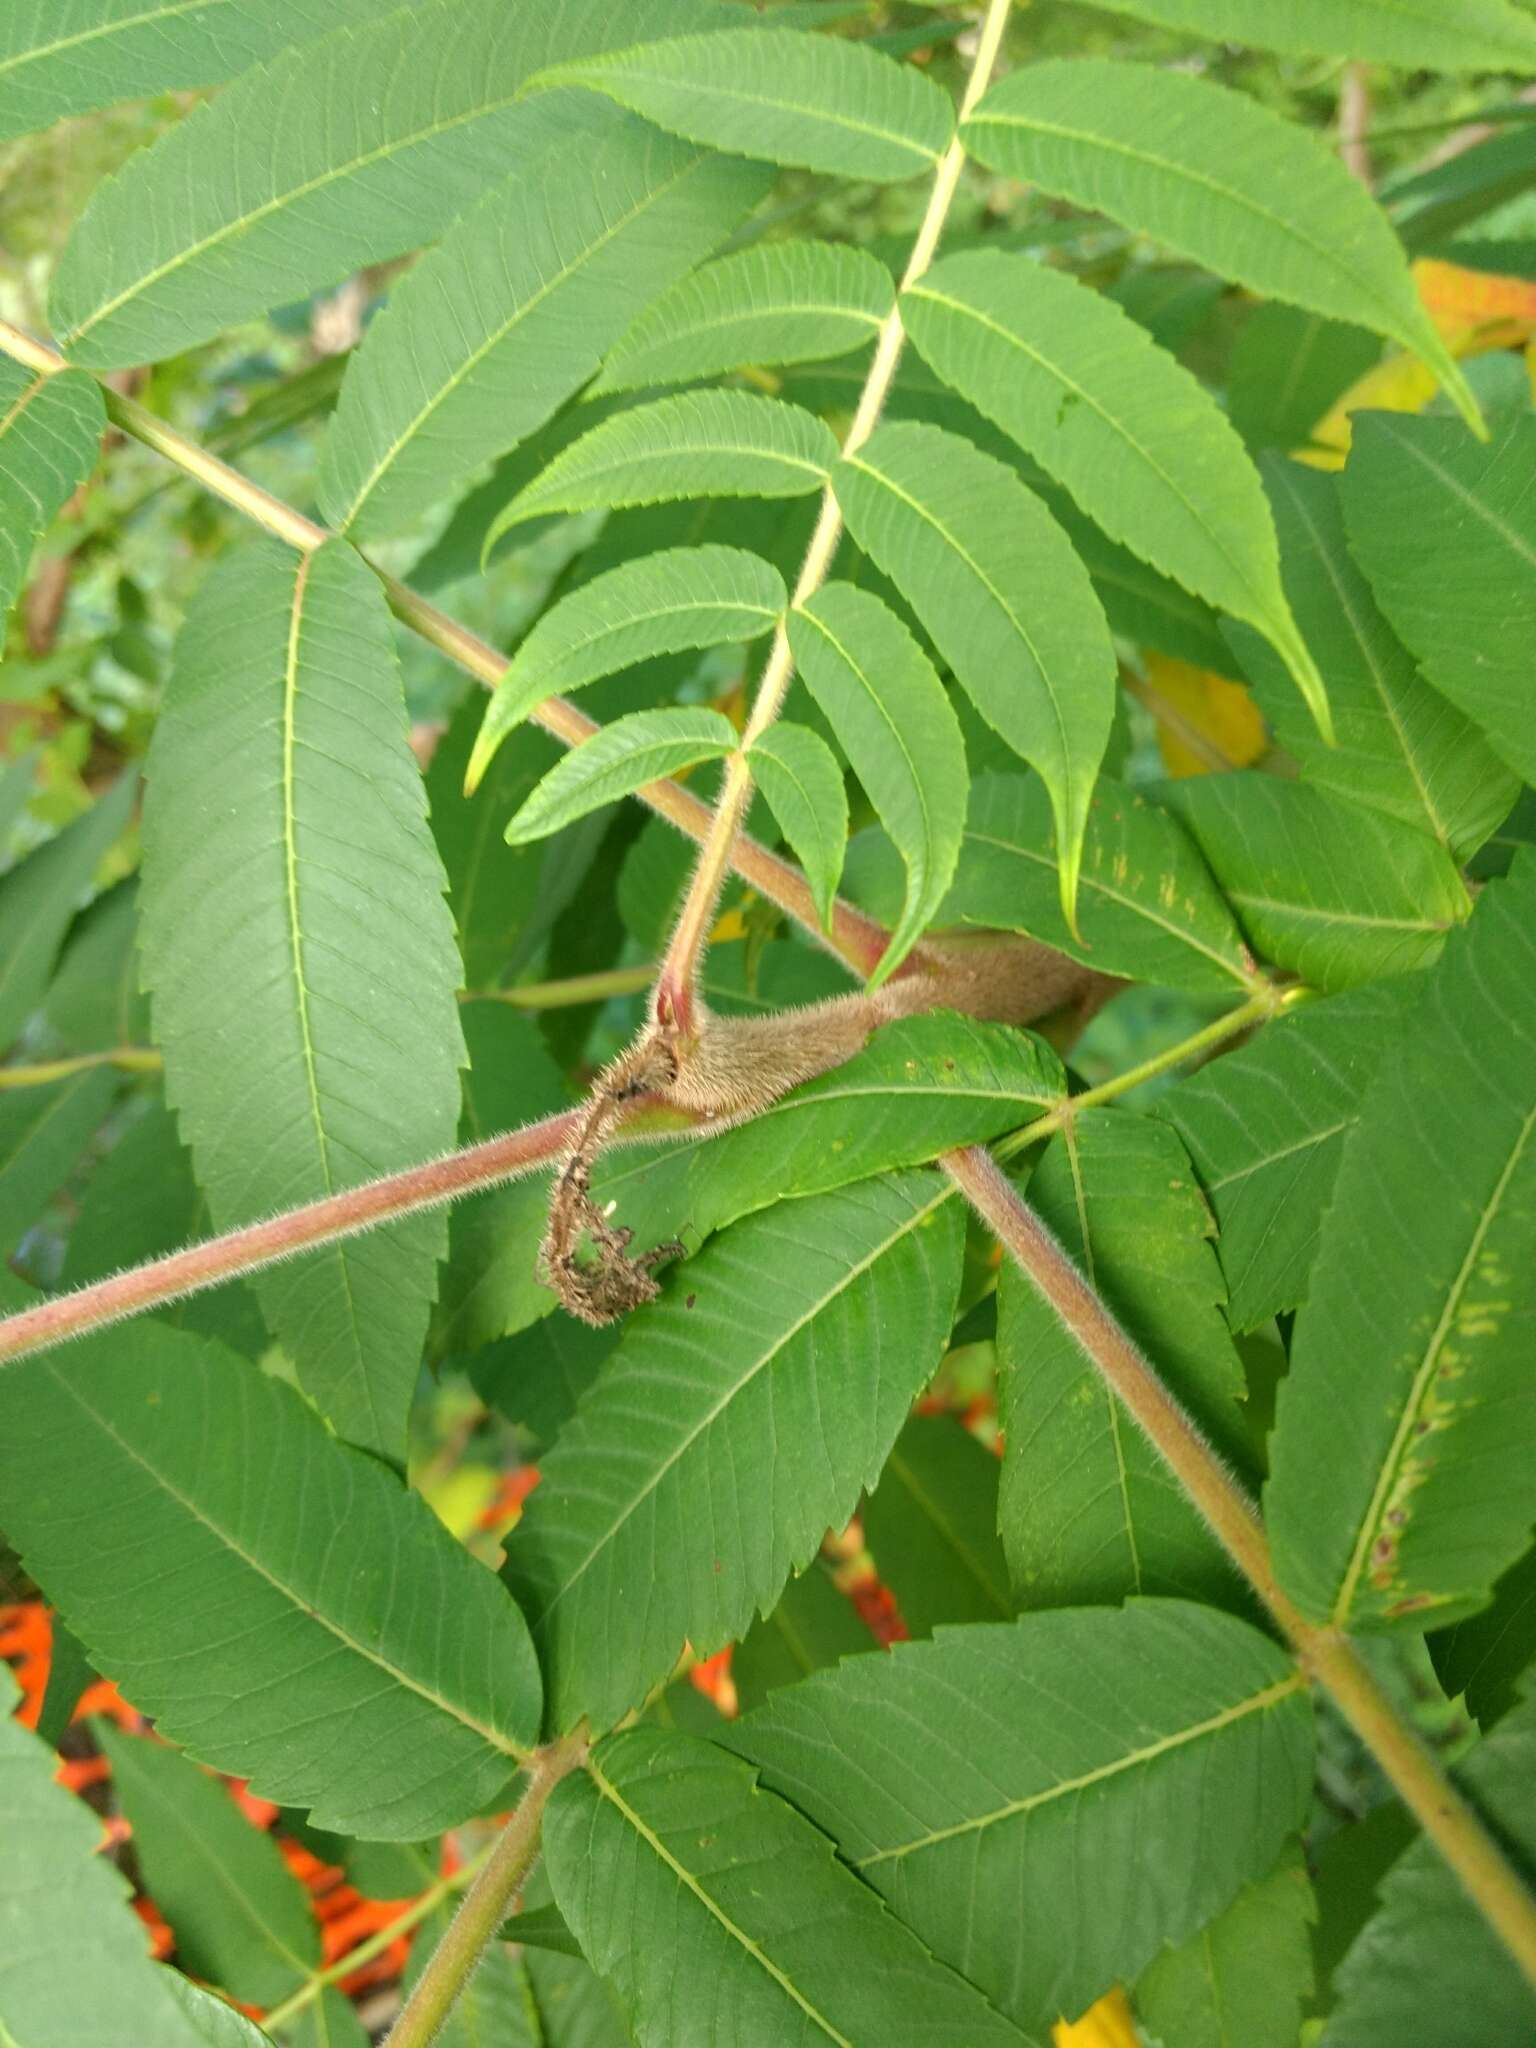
{"x":43,"y":1132}
{"x":1405,"y":1428}
{"x":802,"y":781}
{"x":726,"y":444}
{"x":346,"y":152}
{"x":664,"y":603}
{"x":1008,"y":603}
{"x":813,"y":101}
{"x":1336,"y":893}
{"x":1482,"y":35}
{"x":813,"y":1625}
{"x":1141,"y":445}
{"x":776,"y":302}
{"x":931,"y":1525}
{"x":1088,"y":1510}
{"x":50,"y":434}
{"x":510,"y":314}
{"x":1217,"y":178}
{"x":300,"y":954}
{"x":665,"y":1847}
{"x":230,"y":1551}
{"x":739,"y":1419}
{"x":883,"y":699}
{"x":1446,"y":532}
{"x":618,"y":760}
{"x":1148,"y":907}
{"x":1244,"y":1976}
{"x":986,"y":1832}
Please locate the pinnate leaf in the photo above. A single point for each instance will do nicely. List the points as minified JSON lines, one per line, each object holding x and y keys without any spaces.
{"x":656,"y":604}
{"x":1009,"y":606}
{"x":1405,"y":1425}
{"x":1217,"y":178}
{"x":802,"y":781}
{"x":254,"y":1558}
{"x":620,"y":759}
{"x":775,"y":302}
{"x":814,"y":101}
{"x":986,"y":1832}
{"x":50,"y":432}
{"x":1486,"y":35}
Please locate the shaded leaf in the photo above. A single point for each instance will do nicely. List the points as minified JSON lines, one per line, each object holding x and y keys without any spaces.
{"x":1486,"y":35}
{"x":931,"y":1524}
{"x":538,"y":1377}
{"x":774,"y":302}
{"x":740,"y":1417}
{"x":322,"y":1596}
{"x":94,"y":1002}
{"x":218,"y":2025}
{"x":819,"y":102}
{"x":986,"y":1833}
{"x":43,"y":1132}
{"x":40,"y":896}
{"x":802,"y":781}
{"x":50,"y":434}
{"x":1486,"y":1656}
{"x":69,"y":1673}
{"x":1288,"y":368}
{"x":665,"y":1844}
{"x":1404,"y":1426}
{"x":1244,"y":1976}
{"x":621,"y":758}
{"x":814,"y":1624}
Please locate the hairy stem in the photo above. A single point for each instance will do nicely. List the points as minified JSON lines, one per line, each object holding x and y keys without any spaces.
{"x":132,"y":1059}
{"x":675,"y":985}
{"x":487,"y":1902}
{"x":1325,"y":1653}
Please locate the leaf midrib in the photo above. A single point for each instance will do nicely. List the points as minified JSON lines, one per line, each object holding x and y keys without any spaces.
{"x":41,"y":51}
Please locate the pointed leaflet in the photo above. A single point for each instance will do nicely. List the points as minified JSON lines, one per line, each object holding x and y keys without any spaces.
{"x":300,"y":955}
{"x":802,"y":782}
{"x":1265,"y":1126}
{"x":94,"y":1003}
{"x":813,"y":1625}
{"x":50,"y":432}
{"x":39,"y":898}
{"x":931,"y":1526}
{"x":351,"y":150}
{"x":499,"y":324}
{"x":1401,"y":747}
{"x":273,"y":1598}
{"x":1287,"y":370}
{"x":664,"y":1845}
{"x":999,"y":587}
{"x":738,"y":1420}
{"x":814,"y":101}
{"x":1482,"y":35}
{"x":1139,"y":443}
{"x":776,"y":302}
{"x":1405,"y":1426}
{"x":1336,"y":893}
{"x":659,"y":604}
{"x":1216,"y":177}
{"x":1088,"y":1510}
{"x":1148,"y":908}
{"x":880,"y":694}
{"x":43,"y":1132}
{"x":218,"y":2025}
{"x":620,"y":759}
{"x":729,"y":444}
{"x":1245,"y":1976}
{"x":75,"y":1967}
{"x":1446,"y":531}
{"x":998,"y":1786}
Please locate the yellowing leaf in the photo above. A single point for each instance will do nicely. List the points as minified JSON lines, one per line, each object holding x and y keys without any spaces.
{"x":1206,"y":723}
{"x":1108,"y":2024}
{"x":1400,"y":384}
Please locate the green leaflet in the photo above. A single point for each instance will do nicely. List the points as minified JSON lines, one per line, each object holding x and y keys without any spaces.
{"x":879,"y":692}
{"x":985,"y":1832}
{"x":1148,"y":907}
{"x":348,"y":151}
{"x":774,"y":302}
{"x":1138,"y":441}
{"x":664,"y":1846}
{"x":1009,"y":605}
{"x":242,"y":1919}
{"x":74,"y":1966}
{"x":1244,"y":1976}
{"x":1336,"y":893}
{"x":218,"y":2025}
{"x":495,"y":2005}
{"x":740,"y":1418}
{"x":50,"y":434}
{"x":802,"y":780}
{"x":1400,"y":747}
{"x":729,"y":444}
{"x":537,"y":1377}
{"x":60,"y":57}
{"x":621,"y":758}
{"x":1217,"y":178}
{"x":1446,"y":532}
{"x":1482,"y":35}
{"x":1404,"y":1427}
{"x":498,"y":325}
{"x":1088,"y":1510}
{"x":664,"y":603}
{"x":94,"y":1002}
{"x":40,"y":896}
{"x":302,"y":1569}
{"x":1265,"y":1126}
{"x":813,"y":1625}
{"x":43,"y":1132}
{"x":300,"y":955}
{"x":815,"y":101}
{"x":931,"y":1525}
{"x":1288,"y":367}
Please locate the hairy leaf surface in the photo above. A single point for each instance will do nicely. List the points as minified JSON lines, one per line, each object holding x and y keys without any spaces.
{"x":1484,"y":35}
{"x":802,"y":782}
{"x":985,"y":1830}
{"x":620,"y":759}
{"x":50,"y":433}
